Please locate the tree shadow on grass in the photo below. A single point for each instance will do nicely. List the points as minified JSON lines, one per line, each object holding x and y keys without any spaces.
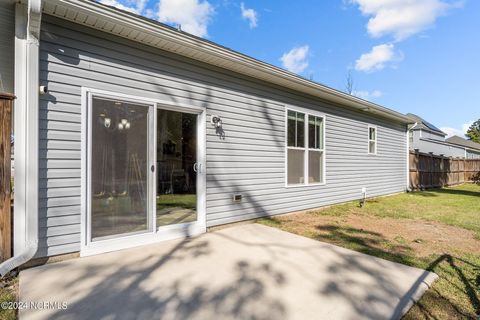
{"x":364,"y":241}
{"x":435,"y":192}
{"x":459,"y":192}
{"x":461,"y":275}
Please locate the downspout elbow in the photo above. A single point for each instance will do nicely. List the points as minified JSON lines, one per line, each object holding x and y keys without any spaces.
{"x":16,"y":261}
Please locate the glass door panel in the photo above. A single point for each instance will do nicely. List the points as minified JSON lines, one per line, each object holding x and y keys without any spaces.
{"x":119,"y":168}
{"x":176,"y":197}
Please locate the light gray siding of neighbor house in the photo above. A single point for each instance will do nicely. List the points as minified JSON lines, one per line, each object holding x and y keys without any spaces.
{"x":249,"y":160}
{"x":427,"y":142}
{"x":7,"y":48}
{"x":472,"y":154}
{"x":431,"y":135}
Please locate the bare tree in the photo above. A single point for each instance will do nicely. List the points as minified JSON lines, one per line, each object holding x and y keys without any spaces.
{"x":349,"y":83}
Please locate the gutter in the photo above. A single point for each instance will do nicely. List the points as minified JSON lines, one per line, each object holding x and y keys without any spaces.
{"x":27,"y":29}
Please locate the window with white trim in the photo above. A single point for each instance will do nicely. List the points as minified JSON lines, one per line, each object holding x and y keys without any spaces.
{"x":305,"y":148}
{"x":372,"y":140}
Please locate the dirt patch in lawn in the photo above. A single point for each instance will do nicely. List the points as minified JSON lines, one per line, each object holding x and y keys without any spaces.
{"x":422,"y":238}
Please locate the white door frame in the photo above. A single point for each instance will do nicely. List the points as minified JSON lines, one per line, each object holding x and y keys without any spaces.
{"x":155,"y":234}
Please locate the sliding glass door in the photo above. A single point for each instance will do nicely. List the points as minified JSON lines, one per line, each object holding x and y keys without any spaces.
{"x":119,"y":168}
{"x":145,"y":180}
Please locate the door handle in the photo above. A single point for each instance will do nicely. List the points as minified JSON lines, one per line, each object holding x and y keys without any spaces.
{"x":197,"y":167}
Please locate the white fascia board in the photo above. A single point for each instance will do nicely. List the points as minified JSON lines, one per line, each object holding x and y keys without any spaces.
{"x":214,"y":54}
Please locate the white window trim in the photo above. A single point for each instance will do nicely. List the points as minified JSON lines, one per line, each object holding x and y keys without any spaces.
{"x":376,"y":140}
{"x":307,"y":113}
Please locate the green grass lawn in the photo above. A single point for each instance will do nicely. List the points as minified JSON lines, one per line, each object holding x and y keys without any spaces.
{"x":8,"y":294}
{"x":386,"y":227}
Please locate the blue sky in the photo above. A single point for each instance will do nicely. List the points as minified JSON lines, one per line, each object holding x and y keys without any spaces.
{"x":419,"y":56}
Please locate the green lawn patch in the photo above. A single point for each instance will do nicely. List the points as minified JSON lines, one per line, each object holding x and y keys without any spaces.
{"x":8,"y":292}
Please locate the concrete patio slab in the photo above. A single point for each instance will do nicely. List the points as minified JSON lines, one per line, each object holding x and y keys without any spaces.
{"x":244,"y":272}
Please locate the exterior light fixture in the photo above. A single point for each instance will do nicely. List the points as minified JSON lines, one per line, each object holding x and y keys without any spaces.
{"x":216,"y":121}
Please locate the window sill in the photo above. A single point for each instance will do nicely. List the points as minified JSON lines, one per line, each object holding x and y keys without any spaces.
{"x":293,"y":186}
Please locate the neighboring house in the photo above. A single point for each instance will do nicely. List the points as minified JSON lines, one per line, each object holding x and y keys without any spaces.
{"x":141,"y":133}
{"x":426,"y":138}
{"x":472,"y":149}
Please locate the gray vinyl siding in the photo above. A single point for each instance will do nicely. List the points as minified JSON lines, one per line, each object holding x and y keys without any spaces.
{"x":432,"y":135}
{"x":7,"y":34}
{"x":471,"y":154}
{"x":425,"y":142}
{"x":250,"y":159}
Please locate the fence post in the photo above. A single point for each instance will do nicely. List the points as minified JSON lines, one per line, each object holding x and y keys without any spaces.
{"x":6,"y":105}
{"x":418,"y":179}
{"x":432,"y":167}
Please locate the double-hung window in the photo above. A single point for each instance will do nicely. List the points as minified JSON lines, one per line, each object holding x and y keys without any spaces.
{"x":305,"y":148}
{"x":372,"y":140}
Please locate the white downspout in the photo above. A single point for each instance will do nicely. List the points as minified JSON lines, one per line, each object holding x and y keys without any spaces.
{"x":27,"y":37}
{"x":408,"y":155}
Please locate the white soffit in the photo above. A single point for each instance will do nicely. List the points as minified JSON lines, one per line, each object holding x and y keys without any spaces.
{"x":151,"y":33}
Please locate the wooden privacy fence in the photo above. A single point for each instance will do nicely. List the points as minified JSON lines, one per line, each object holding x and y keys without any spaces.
{"x":6,"y":106}
{"x":428,"y":170}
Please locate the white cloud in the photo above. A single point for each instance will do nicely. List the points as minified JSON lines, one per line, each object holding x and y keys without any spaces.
{"x":134,"y":6}
{"x":296,"y":59}
{"x":140,"y":5}
{"x":402,"y":18}
{"x":456,"y":131}
{"x":117,"y":4}
{"x":367,"y":95}
{"x":377,"y":58}
{"x":250,"y":15}
{"x":150,"y":13}
{"x":193,"y":15}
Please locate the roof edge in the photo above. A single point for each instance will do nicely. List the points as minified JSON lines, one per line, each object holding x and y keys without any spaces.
{"x":464,"y":141}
